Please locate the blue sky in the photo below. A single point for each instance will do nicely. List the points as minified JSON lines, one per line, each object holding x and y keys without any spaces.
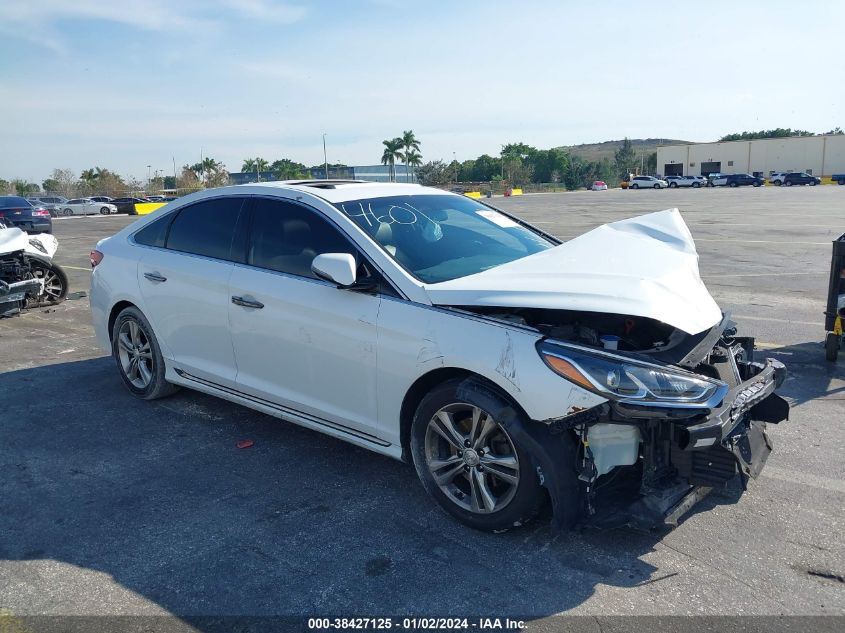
{"x":123,"y":84}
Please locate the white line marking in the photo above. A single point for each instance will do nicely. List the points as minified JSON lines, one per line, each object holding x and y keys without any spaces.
{"x":797,"y":477}
{"x":759,"y":318}
{"x":779,"y":274}
{"x":75,"y":267}
{"x":707,"y":239}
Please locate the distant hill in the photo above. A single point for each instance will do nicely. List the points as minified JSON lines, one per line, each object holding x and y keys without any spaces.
{"x":597,"y":151}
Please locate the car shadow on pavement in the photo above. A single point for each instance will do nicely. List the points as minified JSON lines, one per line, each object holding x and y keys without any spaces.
{"x":809,"y":375}
{"x":158,"y":498}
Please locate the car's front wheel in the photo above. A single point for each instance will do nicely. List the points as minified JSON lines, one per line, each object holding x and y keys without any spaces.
{"x":470,"y":464}
{"x":635,"y":186}
{"x":104,"y":211}
{"x":55,"y":284}
{"x":696,"y":185}
{"x":812,"y":183}
{"x":67,"y":212}
{"x":138,"y":356}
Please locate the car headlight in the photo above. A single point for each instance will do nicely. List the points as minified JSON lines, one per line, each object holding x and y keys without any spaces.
{"x":632,"y":381}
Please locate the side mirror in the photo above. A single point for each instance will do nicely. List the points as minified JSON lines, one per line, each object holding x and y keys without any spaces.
{"x":335,"y":267}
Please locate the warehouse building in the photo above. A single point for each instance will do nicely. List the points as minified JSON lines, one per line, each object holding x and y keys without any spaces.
{"x":821,"y":155}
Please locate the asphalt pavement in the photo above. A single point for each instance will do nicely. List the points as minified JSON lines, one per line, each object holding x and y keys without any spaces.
{"x":114,"y":506}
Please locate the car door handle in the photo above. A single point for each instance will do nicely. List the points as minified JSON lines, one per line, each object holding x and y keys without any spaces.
{"x":155,"y":277}
{"x":247,"y":303}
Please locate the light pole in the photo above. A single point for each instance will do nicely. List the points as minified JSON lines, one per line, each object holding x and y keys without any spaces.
{"x":455,"y":160}
{"x":325,"y":157}
{"x":148,"y":176}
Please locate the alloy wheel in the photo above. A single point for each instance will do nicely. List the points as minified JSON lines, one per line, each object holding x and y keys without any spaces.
{"x":135,"y":353}
{"x":471,"y":458}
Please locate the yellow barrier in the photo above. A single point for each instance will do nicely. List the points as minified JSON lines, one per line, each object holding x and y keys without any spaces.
{"x":143,"y":208}
{"x":472,"y":194}
{"x":516,"y":192}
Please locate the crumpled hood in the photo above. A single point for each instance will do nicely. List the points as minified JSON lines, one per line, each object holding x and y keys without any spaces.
{"x":645,"y":266}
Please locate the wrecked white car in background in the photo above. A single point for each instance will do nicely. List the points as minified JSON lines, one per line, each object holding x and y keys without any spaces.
{"x":505,"y":365}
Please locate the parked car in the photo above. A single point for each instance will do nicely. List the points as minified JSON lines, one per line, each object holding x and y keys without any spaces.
{"x":100,"y":198}
{"x":86,"y":206}
{"x":435,"y":329}
{"x":127,"y":205}
{"x":598,"y":185}
{"x":838,"y":178}
{"x":777,"y":178}
{"x":685,"y":181}
{"x":51,"y":203}
{"x":741,"y":180}
{"x":20,"y":213}
{"x":711,"y":177}
{"x":801,"y":178}
{"x":647,"y":182}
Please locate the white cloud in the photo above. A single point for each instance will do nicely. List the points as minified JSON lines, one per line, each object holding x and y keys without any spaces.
{"x":267,"y":10}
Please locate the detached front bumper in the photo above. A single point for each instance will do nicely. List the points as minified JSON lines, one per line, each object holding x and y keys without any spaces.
{"x":685,"y":455}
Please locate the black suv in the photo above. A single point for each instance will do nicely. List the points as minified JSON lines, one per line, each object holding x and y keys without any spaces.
{"x":801,"y":179}
{"x":738,"y":180}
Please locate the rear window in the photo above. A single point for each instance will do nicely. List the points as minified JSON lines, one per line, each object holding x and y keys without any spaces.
{"x":11,"y":202}
{"x":206,"y":228}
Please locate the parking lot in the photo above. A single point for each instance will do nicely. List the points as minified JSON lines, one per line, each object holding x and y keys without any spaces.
{"x":111,"y":505}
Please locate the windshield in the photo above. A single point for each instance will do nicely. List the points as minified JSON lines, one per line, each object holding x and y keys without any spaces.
{"x":442,"y":237}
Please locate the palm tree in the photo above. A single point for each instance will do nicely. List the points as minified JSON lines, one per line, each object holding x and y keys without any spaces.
{"x":413,"y":159}
{"x":261,"y":165}
{"x":248,"y":166}
{"x":89,"y":176}
{"x":392,"y":152}
{"x":409,"y":144}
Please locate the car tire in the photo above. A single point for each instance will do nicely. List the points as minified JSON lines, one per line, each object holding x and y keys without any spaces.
{"x":67,"y":211}
{"x":788,"y":183}
{"x":733,"y":184}
{"x":634,"y":186}
{"x":673,"y":185}
{"x":696,"y":185}
{"x":657,"y":185}
{"x":56,"y":284}
{"x":812,"y":183}
{"x":104,"y":211}
{"x":138,"y":356}
{"x":778,"y":183}
{"x":473,"y":483}
{"x":756,"y":184}
{"x":832,"y":343}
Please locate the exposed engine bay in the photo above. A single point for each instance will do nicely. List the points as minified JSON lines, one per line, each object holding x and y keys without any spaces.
{"x":665,"y":457}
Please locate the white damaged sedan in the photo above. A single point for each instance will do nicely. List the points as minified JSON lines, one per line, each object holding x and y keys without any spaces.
{"x":508,"y":367}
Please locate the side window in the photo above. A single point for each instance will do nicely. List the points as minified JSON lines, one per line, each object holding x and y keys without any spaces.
{"x":206,"y":228}
{"x":155,"y":232}
{"x":286,"y":238}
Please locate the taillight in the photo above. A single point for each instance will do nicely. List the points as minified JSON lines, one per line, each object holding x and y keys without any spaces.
{"x":96,"y":257}
{"x":41,"y":212}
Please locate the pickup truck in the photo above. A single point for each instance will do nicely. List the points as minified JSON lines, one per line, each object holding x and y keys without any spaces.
{"x":838,"y":178}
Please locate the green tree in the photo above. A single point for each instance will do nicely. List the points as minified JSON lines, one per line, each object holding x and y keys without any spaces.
{"x":89,"y":177}
{"x":255,"y":165}
{"x":23,"y":187}
{"x":778,"y":132}
{"x":212,"y":173}
{"x":434,"y":173}
{"x":248,"y":166}
{"x":5,"y":186}
{"x":410,"y":143}
{"x":625,"y":158}
{"x":286,"y":169}
{"x":413,"y":159}
{"x":651,"y":163}
{"x":50,"y":185}
{"x":392,"y":153}
{"x":517,"y":150}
